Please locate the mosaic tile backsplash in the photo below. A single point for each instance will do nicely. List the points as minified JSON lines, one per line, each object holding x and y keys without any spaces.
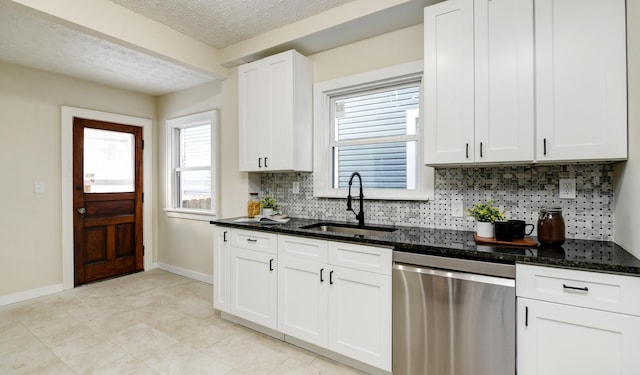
{"x":519,"y":190}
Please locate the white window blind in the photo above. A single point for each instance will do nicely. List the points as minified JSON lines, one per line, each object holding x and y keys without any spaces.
{"x":376,"y":134}
{"x":193,"y":172}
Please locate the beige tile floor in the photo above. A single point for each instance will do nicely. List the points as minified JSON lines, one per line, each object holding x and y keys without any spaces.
{"x":152,"y":322}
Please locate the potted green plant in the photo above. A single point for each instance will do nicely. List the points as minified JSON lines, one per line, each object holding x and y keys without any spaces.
{"x":486,"y":215}
{"x":268,"y":204}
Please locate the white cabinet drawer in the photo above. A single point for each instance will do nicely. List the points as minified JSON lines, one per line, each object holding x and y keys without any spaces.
{"x":303,"y":248}
{"x":609,"y":292}
{"x":360,"y":257}
{"x":254,"y":240}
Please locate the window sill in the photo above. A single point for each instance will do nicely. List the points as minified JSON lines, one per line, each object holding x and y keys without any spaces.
{"x":376,"y":195}
{"x":190,"y":214}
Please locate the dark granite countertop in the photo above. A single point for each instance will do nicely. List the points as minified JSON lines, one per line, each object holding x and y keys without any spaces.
{"x":581,"y":254}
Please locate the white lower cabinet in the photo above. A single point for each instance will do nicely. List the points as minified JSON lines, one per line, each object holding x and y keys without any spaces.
{"x":360,"y":316}
{"x":303,"y":299}
{"x":343,"y":309}
{"x":254,"y":286}
{"x":335,"y":296}
{"x":221,"y":271}
{"x":557,"y":339}
{"x":576,"y":322}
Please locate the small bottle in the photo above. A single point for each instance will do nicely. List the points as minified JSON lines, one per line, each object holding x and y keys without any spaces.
{"x":253,"y":207}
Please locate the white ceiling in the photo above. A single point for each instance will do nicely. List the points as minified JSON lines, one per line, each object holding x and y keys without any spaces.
{"x":40,"y":41}
{"x":220,"y":23}
{"x":29,"y":40}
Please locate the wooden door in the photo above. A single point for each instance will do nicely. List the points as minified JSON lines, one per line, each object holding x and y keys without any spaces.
{"x":107,"y":200}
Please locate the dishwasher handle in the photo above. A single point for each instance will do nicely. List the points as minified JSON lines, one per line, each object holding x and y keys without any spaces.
{"x":451,"y":274}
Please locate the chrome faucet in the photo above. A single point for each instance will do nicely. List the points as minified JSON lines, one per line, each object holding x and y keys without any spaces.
{"x":360,"y":215}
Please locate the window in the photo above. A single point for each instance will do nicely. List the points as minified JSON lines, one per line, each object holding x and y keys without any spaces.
{"x":191,"y":182}
{"x":370,"y":123}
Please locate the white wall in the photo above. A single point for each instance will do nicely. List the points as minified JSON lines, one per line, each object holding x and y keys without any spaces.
{"x":627,"y":174}
{"x":30,"y":136}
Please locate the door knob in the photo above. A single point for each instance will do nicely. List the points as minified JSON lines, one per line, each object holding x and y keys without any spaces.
{"x":82,"y":210}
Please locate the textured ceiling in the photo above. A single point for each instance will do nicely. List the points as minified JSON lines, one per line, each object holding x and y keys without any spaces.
{"x":43,"y":41}
{"x":220,"y":23}
{"x":28,"y":40}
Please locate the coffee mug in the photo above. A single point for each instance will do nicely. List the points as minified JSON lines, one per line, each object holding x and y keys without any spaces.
{"x":504,"y":230}
{"x":518,"y":228}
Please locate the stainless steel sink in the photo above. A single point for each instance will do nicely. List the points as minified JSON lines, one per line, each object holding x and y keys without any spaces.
{"x":349,"y":229}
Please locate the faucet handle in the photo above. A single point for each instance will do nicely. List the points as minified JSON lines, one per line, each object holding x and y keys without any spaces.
{"x":349,"y":203}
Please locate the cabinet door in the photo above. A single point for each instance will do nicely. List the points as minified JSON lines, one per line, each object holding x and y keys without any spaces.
{"x":253,"y":115}
{"x":279,"y":118}
{"x":504,"y":103}
{"x":449,"y":83}
{"x":302,"y":299}
{"x":254,"y":283}
{"x":360,"y":316}
{"x":581,"y":80}
{"x":557,"y":339}
{"x":221,"y":276}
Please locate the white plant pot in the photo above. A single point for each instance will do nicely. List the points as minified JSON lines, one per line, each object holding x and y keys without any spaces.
{"x":267,"y":211}
{"x":486,"y":230}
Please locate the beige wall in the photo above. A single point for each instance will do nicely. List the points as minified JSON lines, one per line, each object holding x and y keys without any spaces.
{"x":184,"y":243}
{"x":30,"y":137}
{"x":386,"y":50}
{"x":627,"y":174}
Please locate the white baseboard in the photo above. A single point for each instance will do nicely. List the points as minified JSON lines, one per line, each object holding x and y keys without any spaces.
{"x":30,"y":294}
{"x":186,"y":273}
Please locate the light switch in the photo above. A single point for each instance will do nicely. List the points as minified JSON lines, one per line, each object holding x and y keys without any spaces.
{"x":38,"y":187}
{"x":296,"y":187}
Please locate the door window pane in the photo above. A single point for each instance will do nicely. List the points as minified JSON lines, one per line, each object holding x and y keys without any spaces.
{"x":109,"y":161}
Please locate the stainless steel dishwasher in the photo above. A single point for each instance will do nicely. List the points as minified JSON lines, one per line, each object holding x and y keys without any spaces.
{"x":453,"y":316}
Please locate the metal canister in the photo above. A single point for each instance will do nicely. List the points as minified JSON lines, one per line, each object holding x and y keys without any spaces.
{"x":551,"y":229}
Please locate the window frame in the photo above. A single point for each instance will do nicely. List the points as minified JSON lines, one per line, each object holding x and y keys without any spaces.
{"x":173,"y":164}
{"x":323,"y":95}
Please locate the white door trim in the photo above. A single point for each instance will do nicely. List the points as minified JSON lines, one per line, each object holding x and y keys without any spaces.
{"x":67,"y":115}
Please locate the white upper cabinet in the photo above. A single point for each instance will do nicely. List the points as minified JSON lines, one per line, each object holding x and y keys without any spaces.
{"x":581,"y":75}
{"x":275,"y":129}
{"x":479,"y":82}
{"x":504,"y":106}
{"x":448,"y":82}
{"x":487,"y":60}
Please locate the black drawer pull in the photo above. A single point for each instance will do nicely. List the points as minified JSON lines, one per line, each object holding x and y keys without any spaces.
{"x":583,"y":289}
{"x":467,"y":151}
{"x":544,"y":146}
{"x":265,"y":162}
{"x":224,"y":236}
{"x":251,"y":240}
{"x":331,"y":278}
{"x":259,"y":162}
{"x":481,"y":149}
{"x":321,"y":278}
{"x":270,"y":264}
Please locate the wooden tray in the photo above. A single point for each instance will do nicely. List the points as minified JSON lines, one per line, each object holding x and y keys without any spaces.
{"x":526,"y":241}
